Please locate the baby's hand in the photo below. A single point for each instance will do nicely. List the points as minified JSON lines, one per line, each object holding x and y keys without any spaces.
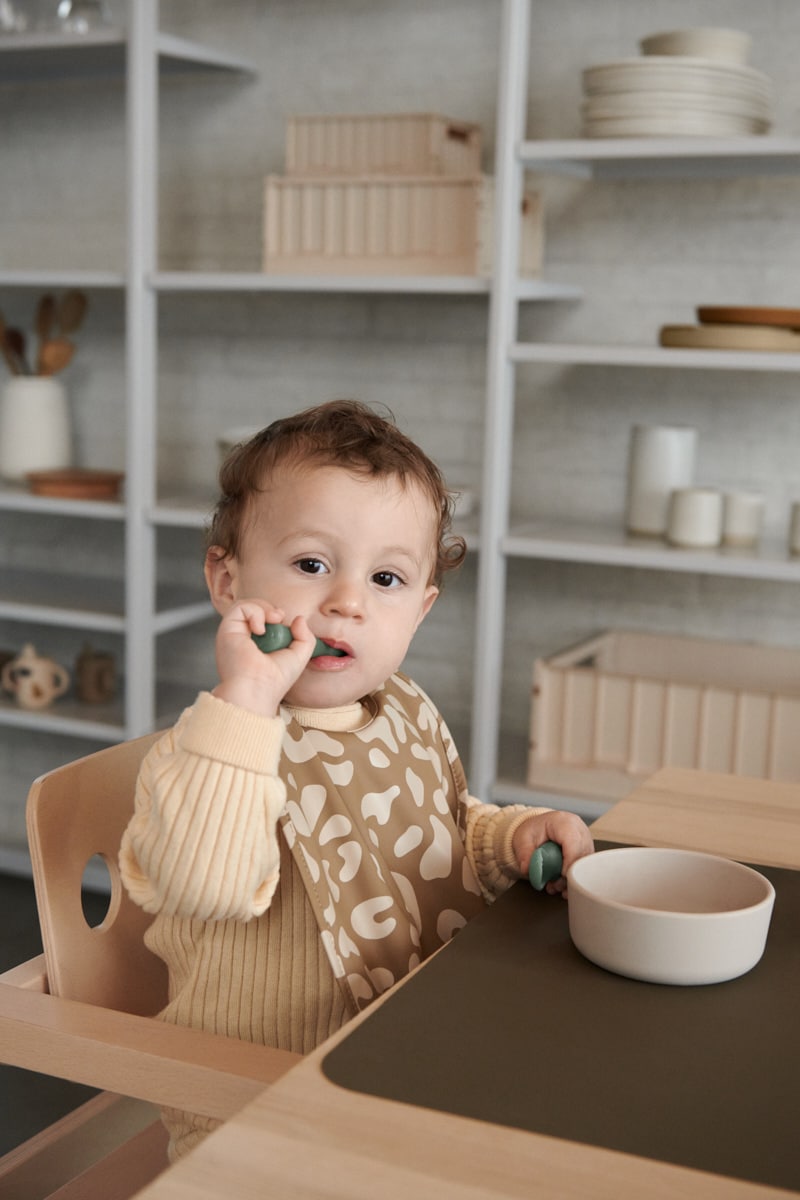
{"x":248,"y":677}
{"x":569,"y":831}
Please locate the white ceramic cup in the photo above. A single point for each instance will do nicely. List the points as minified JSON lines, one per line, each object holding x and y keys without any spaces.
{"x":661,"y":458}
{"x":695,"y":517}
{"x":794,"y":528}
{"x":742,"y":515}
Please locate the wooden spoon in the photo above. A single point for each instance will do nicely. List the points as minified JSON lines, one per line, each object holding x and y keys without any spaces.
{"x":10,"y":361}
{"x":15,"y":345}
{"x":72,"y":310}
{"x":45,"y":316}
{"x":55,"y":355}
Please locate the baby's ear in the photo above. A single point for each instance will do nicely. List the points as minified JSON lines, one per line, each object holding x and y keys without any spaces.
{"x":220,"y":578}
{"x":431,"y":592}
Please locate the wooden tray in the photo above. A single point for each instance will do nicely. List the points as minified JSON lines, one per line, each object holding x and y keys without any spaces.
{"x":737,"y":315}
{"x":76,"y":483}
{"x":730,"y":337}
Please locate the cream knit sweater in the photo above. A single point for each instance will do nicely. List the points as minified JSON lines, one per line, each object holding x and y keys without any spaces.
{"x":233,"y":921}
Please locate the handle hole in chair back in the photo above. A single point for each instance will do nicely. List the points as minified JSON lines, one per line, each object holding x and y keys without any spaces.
{"x":76,"y":815}
{"x":100,"y":892}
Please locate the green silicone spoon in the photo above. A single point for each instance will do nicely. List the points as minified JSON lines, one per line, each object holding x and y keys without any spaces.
{"x":278,"y":637}
{"x":545,"y":865}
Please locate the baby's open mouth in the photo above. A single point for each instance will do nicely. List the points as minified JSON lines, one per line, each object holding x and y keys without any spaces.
{"x":325,"y":648}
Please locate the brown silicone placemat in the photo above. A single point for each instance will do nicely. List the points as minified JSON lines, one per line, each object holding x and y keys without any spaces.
{"x":510,"y":1024}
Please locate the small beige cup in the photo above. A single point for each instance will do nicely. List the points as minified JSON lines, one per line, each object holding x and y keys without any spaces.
{"x":743,"y":513}
{"x":695,"y":518}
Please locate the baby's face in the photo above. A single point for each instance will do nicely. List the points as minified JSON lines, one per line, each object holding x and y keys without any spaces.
{"x":353,"y":555}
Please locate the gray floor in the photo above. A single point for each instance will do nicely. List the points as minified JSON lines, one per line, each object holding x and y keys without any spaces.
{"x":30,"y":1102}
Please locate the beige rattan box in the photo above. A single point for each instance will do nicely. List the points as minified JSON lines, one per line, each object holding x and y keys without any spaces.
{"x":381,"y":144}
{"x":370,"y":226}
{"x":623,"y":704}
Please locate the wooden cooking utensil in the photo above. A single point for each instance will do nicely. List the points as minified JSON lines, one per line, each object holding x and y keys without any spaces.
{"x":45,"y":318}
{"x":72,"y":310}
{"x":55,"y":355}
{"x":16,"y":346}
{"x":7,"y":352}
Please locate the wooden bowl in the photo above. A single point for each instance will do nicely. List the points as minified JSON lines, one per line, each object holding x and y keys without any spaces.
{"x":76,"y":483}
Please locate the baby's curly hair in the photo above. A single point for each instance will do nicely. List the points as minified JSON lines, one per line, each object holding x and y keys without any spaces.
{"x":341,"y":433}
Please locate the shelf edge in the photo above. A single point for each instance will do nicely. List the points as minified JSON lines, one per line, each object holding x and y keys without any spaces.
{"x":584,"y":354}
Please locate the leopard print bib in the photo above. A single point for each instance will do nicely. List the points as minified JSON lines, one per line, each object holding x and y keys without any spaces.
{"x":374,"y":819}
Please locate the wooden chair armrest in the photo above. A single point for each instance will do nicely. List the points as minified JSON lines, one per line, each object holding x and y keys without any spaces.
{"x":30,"y":975}
{"x":135,"y":1056}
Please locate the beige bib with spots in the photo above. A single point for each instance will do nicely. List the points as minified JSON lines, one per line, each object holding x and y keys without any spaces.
{"x":375,"y":826}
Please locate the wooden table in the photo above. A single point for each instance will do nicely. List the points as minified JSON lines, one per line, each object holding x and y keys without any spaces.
{"x":306,"y":1137}
{"x":745,"y":819}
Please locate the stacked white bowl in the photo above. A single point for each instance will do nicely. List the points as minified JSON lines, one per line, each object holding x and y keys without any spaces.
{"x":690,"y":82}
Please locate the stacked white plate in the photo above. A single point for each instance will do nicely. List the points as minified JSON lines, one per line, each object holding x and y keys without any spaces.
{"x":676,"y":95}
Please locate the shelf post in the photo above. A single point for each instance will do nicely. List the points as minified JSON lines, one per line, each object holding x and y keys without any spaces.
{"x":140,"y":360}
{"x":500,"y":381}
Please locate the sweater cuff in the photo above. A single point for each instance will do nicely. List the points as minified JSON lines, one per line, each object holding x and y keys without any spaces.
{"x":504,"y":836}
{"x":222,"y":731}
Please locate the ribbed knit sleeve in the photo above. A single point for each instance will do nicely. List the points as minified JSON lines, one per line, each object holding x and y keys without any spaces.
{"x":489,"y":833}
{"x":202,"y":843}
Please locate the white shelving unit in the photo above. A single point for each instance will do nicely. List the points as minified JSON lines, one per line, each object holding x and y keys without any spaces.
{"x":653,"y":158}
{"x":602,"y":546}
{"x":134,"y":606}
{"x":654,"y":356}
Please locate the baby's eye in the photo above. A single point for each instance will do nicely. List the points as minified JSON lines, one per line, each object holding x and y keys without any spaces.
{"x":311,"y":566}
{"x":387,"y":579}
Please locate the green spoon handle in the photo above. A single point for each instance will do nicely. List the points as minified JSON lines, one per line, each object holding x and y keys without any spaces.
{"x":545,"y":865}
{"x":278,"y":637}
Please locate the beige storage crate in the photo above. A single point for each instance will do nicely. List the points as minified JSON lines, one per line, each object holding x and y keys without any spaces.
{"x":381,"y":144}
{"x":369,"y":226}
{"x":622,"y":705}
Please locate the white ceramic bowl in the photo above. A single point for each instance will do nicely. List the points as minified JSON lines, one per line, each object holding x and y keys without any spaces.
{"x":669,"y":916}
{"x":727,"y":45}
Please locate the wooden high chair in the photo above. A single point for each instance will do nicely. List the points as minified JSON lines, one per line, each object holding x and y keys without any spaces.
{"x":83,"y":1010}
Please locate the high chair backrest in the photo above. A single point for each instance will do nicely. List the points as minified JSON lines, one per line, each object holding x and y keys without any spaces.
{"x":74,"y":813}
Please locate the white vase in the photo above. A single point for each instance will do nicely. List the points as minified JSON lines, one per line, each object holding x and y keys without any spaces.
{"x":661,"y":460}
{"x":35,"y":428}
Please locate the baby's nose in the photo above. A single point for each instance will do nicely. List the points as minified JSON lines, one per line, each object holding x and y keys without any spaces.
{"x":345,"y":598}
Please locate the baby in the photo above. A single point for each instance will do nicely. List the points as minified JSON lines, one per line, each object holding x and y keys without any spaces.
{"x":304,"y":834}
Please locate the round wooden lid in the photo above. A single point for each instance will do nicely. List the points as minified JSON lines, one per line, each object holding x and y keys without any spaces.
{"x":730,"y":337}
{"x":749,"y":315}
